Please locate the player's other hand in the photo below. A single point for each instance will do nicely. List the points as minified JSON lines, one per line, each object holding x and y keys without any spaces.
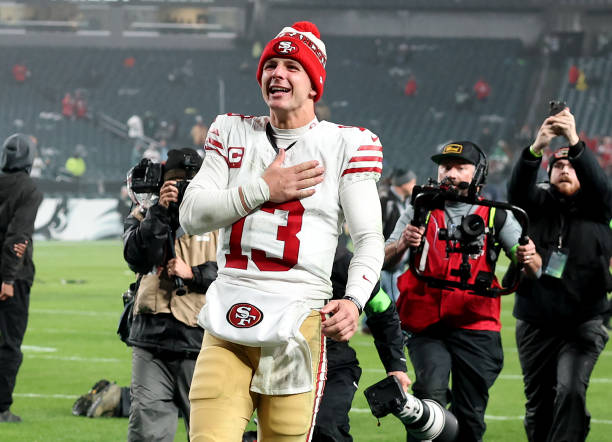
{"x":343,"y":322}
{"x":291,"y":183}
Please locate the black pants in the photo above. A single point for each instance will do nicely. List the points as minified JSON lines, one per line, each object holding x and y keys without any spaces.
{"x":557,"y":366}
{"x":474,"y":358}
{"x":343,"y":374}
{"x":332,"y":423}
{"x":13,"y":323}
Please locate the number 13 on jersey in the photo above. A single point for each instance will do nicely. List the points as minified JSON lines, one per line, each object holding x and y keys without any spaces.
{"x":287,"y":234}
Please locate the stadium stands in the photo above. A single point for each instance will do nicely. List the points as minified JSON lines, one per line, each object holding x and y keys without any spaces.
{"x":365,"y":85}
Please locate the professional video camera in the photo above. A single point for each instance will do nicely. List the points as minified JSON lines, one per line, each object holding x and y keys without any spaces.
{"x":467,"y":238}
{"x":424,"y":419}
{"x":145,"y":180}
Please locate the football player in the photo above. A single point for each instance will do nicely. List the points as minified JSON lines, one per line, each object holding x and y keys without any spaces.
{"x":279,"y":187}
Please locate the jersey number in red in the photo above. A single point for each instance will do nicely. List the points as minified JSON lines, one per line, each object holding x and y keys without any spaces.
{"x":235,"y":259}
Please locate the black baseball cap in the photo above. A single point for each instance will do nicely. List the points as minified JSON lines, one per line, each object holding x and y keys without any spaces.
{"x":458,"y":150}
{"x":182,"y":163}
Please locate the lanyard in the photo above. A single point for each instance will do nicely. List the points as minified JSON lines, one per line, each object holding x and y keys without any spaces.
{"x":560,"y":242}
{"x":272,"y":140}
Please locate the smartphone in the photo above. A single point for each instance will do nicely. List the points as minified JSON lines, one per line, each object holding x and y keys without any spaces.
{"x":556,"y":107}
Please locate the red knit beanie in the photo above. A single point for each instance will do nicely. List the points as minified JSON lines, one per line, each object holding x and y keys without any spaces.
{"x":300,"y":42}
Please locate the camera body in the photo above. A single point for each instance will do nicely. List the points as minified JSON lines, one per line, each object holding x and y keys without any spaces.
{"x":423,"y":419}
{"x":467,"y":234}
{"x":147,"y":177}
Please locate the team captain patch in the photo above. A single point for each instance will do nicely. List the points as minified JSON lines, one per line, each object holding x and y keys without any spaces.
{"x":453,"y":148}
{"x":244,"y":315}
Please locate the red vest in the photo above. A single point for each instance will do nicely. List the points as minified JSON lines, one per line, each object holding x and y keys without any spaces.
{"x":420,"y":306}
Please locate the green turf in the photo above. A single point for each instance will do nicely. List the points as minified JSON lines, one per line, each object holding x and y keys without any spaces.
{"x":71,"y":343}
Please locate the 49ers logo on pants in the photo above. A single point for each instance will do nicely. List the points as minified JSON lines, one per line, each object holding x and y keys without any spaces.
{"x":244,"y":315}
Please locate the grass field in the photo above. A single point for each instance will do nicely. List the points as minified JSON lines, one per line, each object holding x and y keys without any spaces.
{"x":71,"y":343}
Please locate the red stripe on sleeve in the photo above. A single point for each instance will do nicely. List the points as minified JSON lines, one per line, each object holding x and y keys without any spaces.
{"x":358,"y":159}
{"x":362,"y":169}
{"x":215,"y":143}
{"x":372,"y":147}
{"x":209,"y":147}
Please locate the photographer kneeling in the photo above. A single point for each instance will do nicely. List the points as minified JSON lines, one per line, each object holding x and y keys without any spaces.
{"x":164,"y":334}
{"x":452,"y":330}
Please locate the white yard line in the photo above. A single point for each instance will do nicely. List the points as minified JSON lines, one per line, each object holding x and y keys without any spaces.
{"x":73,"y":358}
{"x":76,"y":312}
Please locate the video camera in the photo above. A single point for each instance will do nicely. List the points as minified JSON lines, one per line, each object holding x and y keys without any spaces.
{"x":424,"y":419}
{"x":466,"y":239}
{"x":466,"y":235}
{"x":147,"y":178}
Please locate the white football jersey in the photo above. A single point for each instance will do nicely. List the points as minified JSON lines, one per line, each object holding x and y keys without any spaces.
{"x":278,"y":246}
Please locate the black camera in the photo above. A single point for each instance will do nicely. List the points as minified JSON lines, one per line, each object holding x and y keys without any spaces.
{"x":423,"y":419}
{"x":467,"y":234}
{"x":147,"y":177}
{"x":556,"y":107}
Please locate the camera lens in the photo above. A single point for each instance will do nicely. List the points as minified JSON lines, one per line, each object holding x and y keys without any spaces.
{"x":472,"y":226}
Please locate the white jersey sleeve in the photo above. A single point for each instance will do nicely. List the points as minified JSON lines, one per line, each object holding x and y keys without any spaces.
{"x":363,"y":156}
{"x":209,"y":203}
{"x":361,"y":170}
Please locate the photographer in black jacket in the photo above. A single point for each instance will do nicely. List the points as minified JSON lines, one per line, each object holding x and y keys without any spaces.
{"x":164,"y":334}
{"x":559,"y":330}
{"x":343,"y":371}
{"x":19,"y":202}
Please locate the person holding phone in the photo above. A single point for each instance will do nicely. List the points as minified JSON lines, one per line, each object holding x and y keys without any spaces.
{"x":559,"y":329}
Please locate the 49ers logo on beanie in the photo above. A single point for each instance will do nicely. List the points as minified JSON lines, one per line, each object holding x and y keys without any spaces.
{"x":285,"y":48}
{"x":300,"y":42}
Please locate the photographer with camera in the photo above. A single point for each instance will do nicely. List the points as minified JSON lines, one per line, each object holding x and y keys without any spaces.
{"x":343,"y":371}
{"x":450,"y":330}
{"x":164,"y":334}
{"x":559,"y":329}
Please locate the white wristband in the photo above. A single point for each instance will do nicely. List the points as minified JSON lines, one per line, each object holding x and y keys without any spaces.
{"x":255,"y":193}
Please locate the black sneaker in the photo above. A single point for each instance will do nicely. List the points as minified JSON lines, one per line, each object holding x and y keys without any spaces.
{"x":7,"y":416}
{"x":105,"y":402}
{"x":83,"y":403}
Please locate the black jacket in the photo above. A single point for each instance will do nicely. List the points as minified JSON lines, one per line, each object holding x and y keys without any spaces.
{"x":385,"y":325}
{"x":391,"y":208}
{"x":145,"y":246}
{"x":19,"y":202}
{"x":582,"y":223}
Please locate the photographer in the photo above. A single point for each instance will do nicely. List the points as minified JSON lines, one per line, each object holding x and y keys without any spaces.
{"x":19,"y":202}
{"x":559,"y":331}
{"x":165,"y":337}
{"x":343,"y":371}
{"x":451,"y":330}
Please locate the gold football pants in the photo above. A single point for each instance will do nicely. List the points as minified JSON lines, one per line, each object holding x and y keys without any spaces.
{"x":222,"y":403}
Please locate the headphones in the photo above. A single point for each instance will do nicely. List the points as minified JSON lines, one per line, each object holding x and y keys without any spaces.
{"x":480,"y":173}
